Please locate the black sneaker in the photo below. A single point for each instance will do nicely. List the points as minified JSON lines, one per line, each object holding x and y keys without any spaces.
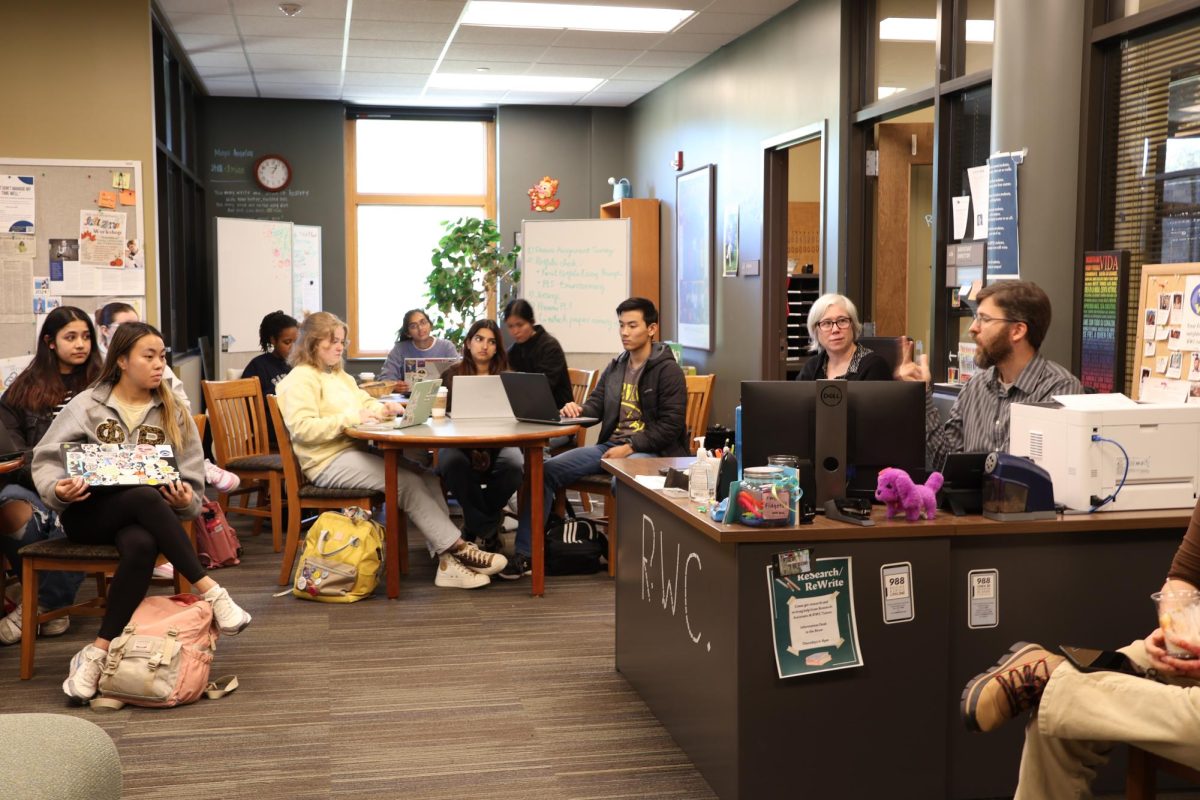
{"x":518,"y":567}
{"x":490,"y":544}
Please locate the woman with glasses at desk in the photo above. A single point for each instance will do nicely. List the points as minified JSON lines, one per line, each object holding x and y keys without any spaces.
{"x":834,"y":329}
{"x":481,"y":478}
{"x":416,"y":341}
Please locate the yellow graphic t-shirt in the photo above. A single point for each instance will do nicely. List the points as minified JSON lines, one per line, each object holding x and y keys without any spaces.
{"x":629,"y":420}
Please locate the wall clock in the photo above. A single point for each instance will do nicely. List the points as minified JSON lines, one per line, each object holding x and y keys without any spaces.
{"x":272,"y":173}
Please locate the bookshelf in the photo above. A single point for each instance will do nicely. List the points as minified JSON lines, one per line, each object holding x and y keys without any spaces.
{"x":643,"y":216}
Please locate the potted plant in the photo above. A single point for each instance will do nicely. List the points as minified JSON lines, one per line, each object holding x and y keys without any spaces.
{"x":468,"y":263}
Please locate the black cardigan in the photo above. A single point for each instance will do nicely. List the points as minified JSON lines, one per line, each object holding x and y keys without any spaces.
{"x":871,"y":367}
{"x":542,"y":353}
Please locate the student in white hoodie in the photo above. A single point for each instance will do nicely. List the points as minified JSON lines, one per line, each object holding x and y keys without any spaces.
{"x":129,"y":404}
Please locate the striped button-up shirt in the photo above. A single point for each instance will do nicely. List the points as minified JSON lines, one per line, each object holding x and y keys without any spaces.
{"x":979,"y":419}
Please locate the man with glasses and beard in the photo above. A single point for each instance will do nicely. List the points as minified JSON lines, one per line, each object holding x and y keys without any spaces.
{"x":1010,"y":324}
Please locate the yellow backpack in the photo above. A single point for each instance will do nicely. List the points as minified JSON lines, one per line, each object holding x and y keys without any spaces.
{"x":343,"y":553}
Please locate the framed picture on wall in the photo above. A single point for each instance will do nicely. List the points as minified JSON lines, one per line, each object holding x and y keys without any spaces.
{"x":694,"y":236}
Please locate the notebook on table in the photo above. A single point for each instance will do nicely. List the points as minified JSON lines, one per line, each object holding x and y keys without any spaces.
{"x":532,"y":401}
{"x":479,"y":397}
{"x":103,"y":465}
{"x":425,"y":369}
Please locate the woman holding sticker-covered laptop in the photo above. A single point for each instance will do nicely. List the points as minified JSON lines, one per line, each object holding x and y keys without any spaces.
{"x":129,"y":404}
{"x":319,"y":401}
{"x":481,"y":478}
{"x":834,"y":329}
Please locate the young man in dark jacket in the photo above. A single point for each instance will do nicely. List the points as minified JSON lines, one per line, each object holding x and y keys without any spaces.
{"x":641,"y":401}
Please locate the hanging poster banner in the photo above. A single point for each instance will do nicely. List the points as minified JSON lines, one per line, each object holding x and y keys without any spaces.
{"x":1102,"y":329}
{"x":1003,"y":250}
{"x":812,"y":619}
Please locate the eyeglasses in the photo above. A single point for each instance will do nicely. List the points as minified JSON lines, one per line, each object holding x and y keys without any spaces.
{"x":984,"y":319}
{"x":829,"y":324}
{"x":422,"y":323}
{"x":483,"y":340}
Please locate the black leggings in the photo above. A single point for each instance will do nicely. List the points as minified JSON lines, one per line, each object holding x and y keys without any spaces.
{"x":141,"y":523}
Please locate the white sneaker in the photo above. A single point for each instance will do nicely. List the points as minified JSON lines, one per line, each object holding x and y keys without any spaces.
{"x":166,"y":570}
{"x":453,"y":575}
{"x":84,"y":678}
{"x":10,"y":626}
{"x":477,"y":560}
{"x":220,"y":479}
{"x":231,"y":617}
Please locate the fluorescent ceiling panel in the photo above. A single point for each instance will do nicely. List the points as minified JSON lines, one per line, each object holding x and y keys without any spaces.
{"x":922,"y":29}
{"x":520,"y":83}
{"x":574,"y":17}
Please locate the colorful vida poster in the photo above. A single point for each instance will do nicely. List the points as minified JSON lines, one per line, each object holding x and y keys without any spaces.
{"x":1105,"y":289}
{"x":102,"y":239}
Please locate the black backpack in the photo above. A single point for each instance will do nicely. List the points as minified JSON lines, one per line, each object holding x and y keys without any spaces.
{"x":574,"y":546}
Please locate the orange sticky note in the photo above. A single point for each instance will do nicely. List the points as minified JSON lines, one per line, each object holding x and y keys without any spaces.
{"x":107,"y":200}
{"x":128,"y":197}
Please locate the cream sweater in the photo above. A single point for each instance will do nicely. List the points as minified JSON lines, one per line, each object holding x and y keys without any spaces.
{"x":317,"y":407}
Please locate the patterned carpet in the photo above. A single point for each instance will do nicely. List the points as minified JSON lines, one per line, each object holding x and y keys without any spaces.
{"x":443,"y":693}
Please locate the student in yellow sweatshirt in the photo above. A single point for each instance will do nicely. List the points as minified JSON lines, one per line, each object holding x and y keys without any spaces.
{"x":319,"y":400}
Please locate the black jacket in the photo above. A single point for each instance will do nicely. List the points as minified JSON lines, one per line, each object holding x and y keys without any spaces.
{"x":871,"y":367}
{"x":542,"y":353}
{"x":662,"y":392}
{"x":26,"y":428}
{"x":270,"y":369}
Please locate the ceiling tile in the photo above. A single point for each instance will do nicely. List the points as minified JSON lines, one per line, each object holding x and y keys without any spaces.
{"x":211,"y":60}
{"x":203,"y":23}
{"x":494,"y":67}
{"x":382,"y":48}
{"x":292,"y":26}
{"x":383,"y":82}
{"x":695,"y":42}
{"x":402,"y":66}
{"x":481,"y":34}
{"x":608,"y":40}
{"x":314,"y":76}
{"x":225,"y":73}
{"x":210,"y":43}
{"x":230,"y":88}
{"x":401,"y":31}
{"x":574,"y":70}
{"x":298,"y":46}
{"x":639,"y":73}
{"x":575,"y":55}
{"x":409,"y":10}
{"x":493,"y":52}
{"x":273,"y":61}
{"x":668,"y":58}
{"x":311,"y":9}
{"x":710,"y":22}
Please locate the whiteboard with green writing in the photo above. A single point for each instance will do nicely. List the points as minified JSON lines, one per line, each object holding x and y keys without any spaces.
{"x":574,"y":273}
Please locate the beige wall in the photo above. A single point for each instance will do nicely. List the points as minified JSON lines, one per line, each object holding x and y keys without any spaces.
{"x":804,"y":173}
{"x":86,"y":92}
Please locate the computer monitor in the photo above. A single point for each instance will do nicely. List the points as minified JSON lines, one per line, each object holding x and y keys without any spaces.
{"x":779,"y":418}
{"x":885,"y":426}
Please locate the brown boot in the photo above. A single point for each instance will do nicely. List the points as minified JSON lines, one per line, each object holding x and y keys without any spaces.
{"x":1012,"y":686}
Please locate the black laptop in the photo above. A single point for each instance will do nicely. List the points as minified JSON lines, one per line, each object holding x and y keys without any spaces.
{"x":532,"y":401}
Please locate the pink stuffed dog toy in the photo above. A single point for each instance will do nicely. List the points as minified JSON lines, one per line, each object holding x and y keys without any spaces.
{"x":898,"y":492}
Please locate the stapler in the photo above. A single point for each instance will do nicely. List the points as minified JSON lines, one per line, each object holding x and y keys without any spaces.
{"x":1014,"y":488}
{"x":855,"y":510}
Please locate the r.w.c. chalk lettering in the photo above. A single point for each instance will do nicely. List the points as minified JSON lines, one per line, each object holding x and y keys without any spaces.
{"x":655,"y":549}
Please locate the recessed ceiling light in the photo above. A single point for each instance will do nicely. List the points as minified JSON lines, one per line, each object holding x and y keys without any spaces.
{"x":291,"y":9}
{"x":483,"y":69}
{"x":922,"y":29}
{"x":504,"y":83}
{"x":574,"y":17}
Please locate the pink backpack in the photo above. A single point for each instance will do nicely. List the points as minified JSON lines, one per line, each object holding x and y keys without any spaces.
{"x":216,"y":543}
{"x":163,"y":656}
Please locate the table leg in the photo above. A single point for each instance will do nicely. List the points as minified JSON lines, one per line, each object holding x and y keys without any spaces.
{"x":534,"y":481}
{"x":397,"y":559}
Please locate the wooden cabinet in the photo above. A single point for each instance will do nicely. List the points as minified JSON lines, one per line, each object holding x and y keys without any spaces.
{"x":643,"y":216}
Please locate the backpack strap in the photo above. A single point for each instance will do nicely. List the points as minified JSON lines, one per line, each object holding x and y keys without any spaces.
{"x":106,"y":704}
{"x":222,"y":686}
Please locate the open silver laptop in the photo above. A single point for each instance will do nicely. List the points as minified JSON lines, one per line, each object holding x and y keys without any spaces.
{"x":425,"y":369}
{"x":479,"y":397}
{"x":420,"y":404}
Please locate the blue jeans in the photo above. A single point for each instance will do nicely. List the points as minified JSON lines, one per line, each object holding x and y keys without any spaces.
{"x":558,"y":472}
{"x":483,"y":506}
{"x":55,"y":589}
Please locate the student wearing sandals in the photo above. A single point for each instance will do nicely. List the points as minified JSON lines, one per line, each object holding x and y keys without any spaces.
{"x":416,"y":341}
{"x":276,"y":334}
{"x":535,"y":350}
{"x":318,"y":401}
{"x":482,"y":478}
{"x":66,"y":363}
{"x":129,"y":404}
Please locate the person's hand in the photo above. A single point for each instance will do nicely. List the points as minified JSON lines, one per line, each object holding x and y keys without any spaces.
{"x":910,"y":370}
{"x":72,"y":490}
{"x":393,"y":409}
{"x":367,"y":415}
{"x":620,"y":451}
{"x":401,"y":386}
{"x":1156,"y":650}
{"x":571,"y":410}
{"x":177,"y":493}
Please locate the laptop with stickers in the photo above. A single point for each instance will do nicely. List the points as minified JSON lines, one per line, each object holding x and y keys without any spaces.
{"x":102,"y":465}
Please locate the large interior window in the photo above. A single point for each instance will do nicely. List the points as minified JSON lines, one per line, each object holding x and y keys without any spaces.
{"x":404,"y":178}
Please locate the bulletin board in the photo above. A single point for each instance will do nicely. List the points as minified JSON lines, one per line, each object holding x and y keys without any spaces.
{"x":1168,"y":363}
{"x":62,"y":191}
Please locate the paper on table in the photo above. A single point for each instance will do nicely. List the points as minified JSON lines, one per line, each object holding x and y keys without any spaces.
{"x":656,"y":482}
{"x":1095,"y":402}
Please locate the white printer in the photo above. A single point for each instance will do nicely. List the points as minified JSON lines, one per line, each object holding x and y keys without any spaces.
{"x":1068,"y":441}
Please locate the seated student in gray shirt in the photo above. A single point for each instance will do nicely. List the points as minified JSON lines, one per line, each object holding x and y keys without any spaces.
{"x":1010,"y":324}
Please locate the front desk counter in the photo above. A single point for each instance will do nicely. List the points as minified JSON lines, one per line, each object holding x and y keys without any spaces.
{"x":693,"y":636}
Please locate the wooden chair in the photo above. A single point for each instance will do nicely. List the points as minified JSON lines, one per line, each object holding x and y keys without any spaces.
{"x":699,"y":400}
{"x":239,"y":428}
{"x":301,"y":495}
{"x":1141,"y":778}
{"x":201,"y":421}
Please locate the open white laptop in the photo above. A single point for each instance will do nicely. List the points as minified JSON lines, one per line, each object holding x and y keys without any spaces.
{"x":420,"y":404}
{"x":479,"y":397}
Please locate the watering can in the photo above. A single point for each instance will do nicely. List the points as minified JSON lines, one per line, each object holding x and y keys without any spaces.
{"x":621,"y":188}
